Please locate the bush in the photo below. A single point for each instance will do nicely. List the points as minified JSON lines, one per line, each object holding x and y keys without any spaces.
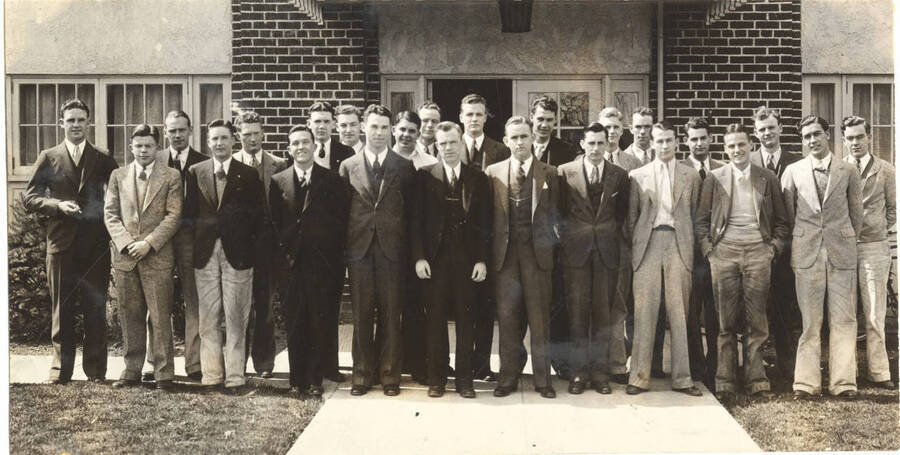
{"x":29,"y":298}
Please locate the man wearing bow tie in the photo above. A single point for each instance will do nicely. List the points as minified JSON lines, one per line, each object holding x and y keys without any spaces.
{"x":226,"y":201}
{"x":822,"y":195}
{"x":879,"y":200}
{"x":261,"y":329}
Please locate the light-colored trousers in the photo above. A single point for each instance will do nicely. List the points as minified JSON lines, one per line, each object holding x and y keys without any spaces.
{"x":618,"y":312}
{"x":820,"y":286}
{"x":661,"y":266}
{"x":874,"y":259}
{"x":145,"y":301}
{"x":223,"y":292}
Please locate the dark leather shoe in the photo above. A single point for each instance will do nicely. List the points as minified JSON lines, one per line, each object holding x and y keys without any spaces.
{"x":888,"y":385}
{"x":236,"y":390}
{"x":576,"y":386}
{"x":358,"y":390}
{"x":634,"y":390}
{"x":848,"y":395}
{"x":196,"y":376}
{"x":726,"y":398}
{"x":296,"y":391}
{"x":392,"y":390}
{"x":336,"y":376}
{"x":122,"y":383}
{"x":802,"y":395}
{"x":692,"y":391}
{"x":602,"y":388}
{"x":435,"y":391}
{"x":467,"y":392}
{"x":763,"y":395}
{"x":148,"y":377}
{"x":620,"y":378}
{"x":503,"y":391}
{"x":488,"y":376}
{"x":316,"y":390}
{"x":266,"y":374}
{"x":96,"y":379}
{"x":164,"y":384}
{"x":213,"y":387}
{"x":546,"y":392}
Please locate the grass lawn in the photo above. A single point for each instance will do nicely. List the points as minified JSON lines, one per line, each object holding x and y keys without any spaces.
{"x":85,"y":418}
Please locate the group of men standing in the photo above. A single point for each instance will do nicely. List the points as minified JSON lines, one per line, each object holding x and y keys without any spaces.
{"x":592,"y":249}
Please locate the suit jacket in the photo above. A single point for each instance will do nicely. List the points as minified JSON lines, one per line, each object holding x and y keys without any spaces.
{"x":784,"y":161}
{"x":339,"y":153}
{"x":879,"y":199}
{"x":387,"y":213}
{"x":193,"y":157}
{"x":713,"y":164}
{"x":630,"y":152}
{"x":155,"y":221}
{"x":55,"y":179}
{"x":544,"y":211}
{"x":628,"y":161}
{"x":833,"y":223}
{"x":643,"y":205}
{"x":269,"y":165}
{"x":237,"y":220}
{"x":715,"y":207}
{"x":476,"y":201}
{"x":583,"y":229}
{"x":311,"y":229}
{"x":492,"y":152}
{"x":558,"y":152}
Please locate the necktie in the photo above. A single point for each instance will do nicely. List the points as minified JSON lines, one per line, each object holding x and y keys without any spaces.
{"x":821,"y":175}
{"x":379,"y":175}
{"x":453,"y":180}
{"x":172,"y":160}
{"x":473,"y":152}
{"x":142,"y":186}
{"x":702,"y":171}
{"x":304,"y":180}
{"x":771,"y":164}
{"x":220,"y":184}
{"x":520,"y":176}
{"x":254,"y":162}
{"x":595,"y":175}
{"x":648,"y":157}
{"x":142,"y":175}
{"x":321,"y":150}
{"x":665,"y":190}
{"x":538,"y":151}
{"x":76,"y":155}
{"x":859,"y":166}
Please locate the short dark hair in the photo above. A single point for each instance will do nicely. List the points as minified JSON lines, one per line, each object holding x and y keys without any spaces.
{"x":247,"y":117}
{"x":546,"y":103}
{"x":736,"y":128}
{"x":428,"y":104}
{"x":854,"y":120}
{"x":322,"y":106}
{"x":221,"y":123}
{"x":764,"y":112}
{"x":299,"y":127}
{"x":376,"y":109}
{"x":473,"y":98}
{"x":664,"y":126}
{"x":642,"y":111}
{"x":409,"y":116}
{"x":345,"y":109}
{"x":447,"y":126}
{"x":178,"y":114}
{"x":809,"y":120}
{"x":74,"y":103}
{"x":595,"y":127}
{"x":145,"y":130}
{"x":696,"y":123}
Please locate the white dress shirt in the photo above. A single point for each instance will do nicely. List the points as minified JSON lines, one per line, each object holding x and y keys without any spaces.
{"x":224,"y":166}
{"x":540,"y":149}
{"x":147,"y":170}
{"x":181,"y":156}
{"x":821,"y":164}
{"x":776,"y":157}
{"x":612,"y":157}
{"x":589,"y":168}
{"x":479,"y":141}
{"x":665,"y":182}
{"x":301,"y":174}
{"x":456,"y":170}
{"x":419,"y":159}
{"x":247,"y":158}
{"x":861,"y":163}
{"x":371,"y":157}
{"x":75,"y":150}
{"x":516,"y":163}
{"x":640,"y":153}
{"x":699,"y":164}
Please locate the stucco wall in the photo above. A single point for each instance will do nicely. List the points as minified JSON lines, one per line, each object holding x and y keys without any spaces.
{"x":566,"y":38}
{"x":847,"y":36}
{"x":118,"y":36}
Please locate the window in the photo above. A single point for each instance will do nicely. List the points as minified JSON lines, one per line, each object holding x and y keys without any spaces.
{"x":212,"y":104}
{"x":38,"y":117}
{"x":128,"y":105}
{"x":874,"y":102}
{"x":579,"y":102}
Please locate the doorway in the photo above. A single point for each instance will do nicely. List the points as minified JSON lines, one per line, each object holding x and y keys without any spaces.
{"x":447,"y":93}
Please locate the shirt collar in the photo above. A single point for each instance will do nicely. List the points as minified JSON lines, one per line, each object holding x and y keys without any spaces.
{"x":456,"y":169}
{"x":639,"y":152}
{"x":175,"y":154}
{"x":223,"y":165}
{"x":863,"y":162}
{"x":371,"y":157}
{"x":699,"y":164}
{"x":776,"y":156}
{"x":819,"y":164}
{"x":326,"y":144}
{"x":588,"y":166}
{"x":739,"y":173}
{"x":307,"y":173}
{"x":670,"y":164}
{"x":478,"y":141}
{"x":245,"y":157}
{"x":147,"y":170}
{"x":527,"y":164}
{"x":70,"y":146}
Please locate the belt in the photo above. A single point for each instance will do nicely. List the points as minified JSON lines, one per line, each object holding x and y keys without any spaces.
{"x":664,"y":227}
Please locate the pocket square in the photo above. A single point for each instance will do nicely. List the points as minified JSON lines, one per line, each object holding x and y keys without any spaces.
{"x":614,"y":194}
{"x":546,"y":186}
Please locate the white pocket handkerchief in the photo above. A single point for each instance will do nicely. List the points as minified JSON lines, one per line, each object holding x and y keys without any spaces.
{"x":546,"y":186}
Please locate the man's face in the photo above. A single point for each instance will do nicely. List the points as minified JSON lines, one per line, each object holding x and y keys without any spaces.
{"x":220,"y":142}
{"x":406,"y":133}
{"x":544,"y":122}
{"x":450,"y":146}
{"x":640,"y":128}
{"x":768,"y":132}
{"x":301,"y":147}
{"x":614,"y":129}
{"x":178,"y":133}
{"x":737,"y":145}
{"x":251,"y":137}
{"x":75,"y":124}
{"x":473,"y":116}
{"x":815,"y":139}
{"x":856,"y":141}
{"x":594,"y":145}
{"x":664,"y":143}
{"x":378,"y":131}
{"x":321,"y":124}
{"x":430,"y":119}
{"x":143,"y":148}
{"x":697,"y":140}
{"x":519,"y":139}
{"x":348,"y":129}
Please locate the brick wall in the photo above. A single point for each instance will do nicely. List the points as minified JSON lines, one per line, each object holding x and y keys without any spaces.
{"x":749,"y":57}
{"x":283,"y":61}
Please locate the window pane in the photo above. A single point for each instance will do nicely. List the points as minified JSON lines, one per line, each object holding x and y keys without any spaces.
{"x":48,"y":137}
{"x":154,"y":104}
{"x":822,"y":102}
{"x":573,"y":109}
{"x":86,"y":94}
{"x":173,"y":98}
{"x":28,"y":145}
{"x":28,"y":104}
{"x":47,"y":104}
{"x":115,"y":105}
{"x":66,"y":92}
{"x":402,"y":101}
{"x":881,"y":143}
{"x":134,"y":103}
{"x":115,"y":140}
{"x":862,"y":100}
{"x":626,"y":102}
{"x":882,"y":106}
{"x":210,"y":102}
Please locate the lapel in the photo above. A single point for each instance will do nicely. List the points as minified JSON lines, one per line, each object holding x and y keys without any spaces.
{"x":285,"y":182}
{"x":153,"y":185}
{"x":609,"y":186}
{"x":128,"y":187}
{"x":440,"y":181}
{"x":808,"y":189}
{"x":231,"y":179}
{"x":836,"y":176}
{"x":465,"y":175}
{"x":360,"y":180}
{"x":576,"y":179}
{"x":540,"y":177}
{"x":65,"y":162}
{"x":389,"y":175}
{"x":649,"y":183}
{"x":726,"y":180}
{"x":268,"y":166}
{"x":205,"y":181}
{"x":315,"y":175}
{"x":503,"y":191}
{"x":678,"y":184}
{"x":759,"y":189}
{"x":89,"y":159}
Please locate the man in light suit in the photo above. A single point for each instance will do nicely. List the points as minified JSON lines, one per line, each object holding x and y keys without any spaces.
{"x":430,"y":113}
{"x":450,"y":248}
{"x":740,"y":225}
{"x":309,"y":213}
{"x":226,"y":201}
{"x":782,"y":304}
{"x":879,"y":199}
{"x":348,"y":127}
{"x":822,"y":195}
{"x":663,"y":200}
{"x":381,"y":186}
{"x":593,"y":205}
{"x":481,"y":152}
{"x":141,"y":213}
{"x":525,"y":216}
{"x":68,"y":186}
{"x":703,"y":367}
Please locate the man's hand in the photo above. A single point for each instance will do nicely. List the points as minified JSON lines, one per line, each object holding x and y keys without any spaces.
{"x":69,"y":208}
{"x":138,"y":250}
{"x":479,"y":272}
{"x":423,"y":270}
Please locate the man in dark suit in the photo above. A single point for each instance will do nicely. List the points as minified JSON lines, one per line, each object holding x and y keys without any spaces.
{"x":481,"y":152}
{"x":309,"y":212}
{"x":261,"y":328}
{"x":348,"y":127}
{"x":226,"y":201}
{"x":381,"y":186}
{"x":525,"y":215}
{"x":740,"y":225}
{"x":142,"y":212}
{"x":450,"y":246}
{"x":783,"y":311}
{"x":593,"y":206}
{"x":430,"y":114}
{"x":555,"y":152}
{"x":329,"y":154}
{"x":68,"y":186}
{"x":703,"y":366}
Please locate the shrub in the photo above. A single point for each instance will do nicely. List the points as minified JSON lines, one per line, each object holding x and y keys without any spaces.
{"x":29,"y":298}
